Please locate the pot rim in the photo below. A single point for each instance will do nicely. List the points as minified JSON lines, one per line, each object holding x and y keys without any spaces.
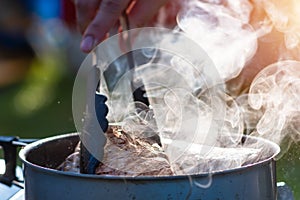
{"x":23,"y":153}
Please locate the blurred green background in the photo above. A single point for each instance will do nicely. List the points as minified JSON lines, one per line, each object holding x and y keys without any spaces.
{"x":39,"y":58}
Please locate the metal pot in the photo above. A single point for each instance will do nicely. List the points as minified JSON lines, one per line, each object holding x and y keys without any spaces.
{"x":42,"y":181}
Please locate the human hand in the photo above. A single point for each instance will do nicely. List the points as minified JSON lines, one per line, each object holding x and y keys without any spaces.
{"x":96,"y":17}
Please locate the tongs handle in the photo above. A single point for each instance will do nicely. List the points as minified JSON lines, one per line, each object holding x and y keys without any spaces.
{"x":124,"y":21}
{"x":88,"y":163}
{"x":138,"y":93}
{"x":96,"y":112}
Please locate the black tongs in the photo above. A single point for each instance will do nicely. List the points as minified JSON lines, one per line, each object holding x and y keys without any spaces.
{"x":138,"y":93}
{"x":88,"y":163}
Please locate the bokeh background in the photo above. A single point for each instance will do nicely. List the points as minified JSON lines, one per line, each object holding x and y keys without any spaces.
{"x":39,"y":59}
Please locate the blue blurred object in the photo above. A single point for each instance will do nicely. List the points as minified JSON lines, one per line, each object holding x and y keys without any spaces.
{"x":45,"y":9}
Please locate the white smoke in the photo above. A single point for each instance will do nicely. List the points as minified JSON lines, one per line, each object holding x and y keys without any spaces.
{"x":223,"y":30}
{"x":283,"y":16}
{"x":183,"y":109}
{"x":275,"y":92}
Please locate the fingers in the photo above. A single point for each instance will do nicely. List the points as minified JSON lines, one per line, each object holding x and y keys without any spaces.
{"x":141,"y":13}
{"x":106,"y":16}
{"x":96,"y":17}
{"x":85,"y":12}
{"x":144,"y":11}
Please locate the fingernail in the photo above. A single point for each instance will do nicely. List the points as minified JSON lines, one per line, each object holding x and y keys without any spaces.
{"x":87,"y":44}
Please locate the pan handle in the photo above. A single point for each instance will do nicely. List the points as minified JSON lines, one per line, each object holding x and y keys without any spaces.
{"x":9,"y":145}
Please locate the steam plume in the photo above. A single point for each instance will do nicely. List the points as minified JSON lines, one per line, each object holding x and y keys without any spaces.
{"x":182,"y":110}
{"x":275,"y":92}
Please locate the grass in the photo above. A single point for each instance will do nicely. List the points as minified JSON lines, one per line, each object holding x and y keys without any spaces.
{"x":288,"y":169}
{"x":51,"y":118}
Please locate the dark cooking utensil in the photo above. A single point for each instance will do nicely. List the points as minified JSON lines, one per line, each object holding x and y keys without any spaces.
{"x":138,"y":93}
{"x":126,"y":62}
{"x":44,"y":182}
{"x":253,"y":181}
{"x":96,"y":112}
{"x":88,"y":162}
